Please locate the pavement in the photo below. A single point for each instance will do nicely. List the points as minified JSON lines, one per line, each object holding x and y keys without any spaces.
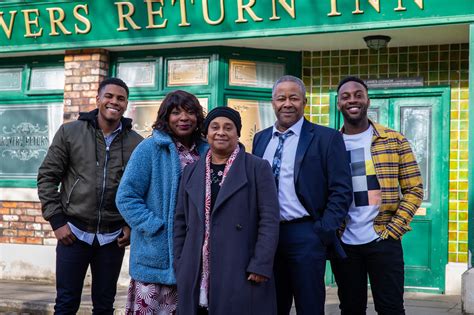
{"x":23,"y":297}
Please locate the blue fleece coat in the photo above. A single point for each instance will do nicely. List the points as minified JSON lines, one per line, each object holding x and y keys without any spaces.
{"x":146,"y":198}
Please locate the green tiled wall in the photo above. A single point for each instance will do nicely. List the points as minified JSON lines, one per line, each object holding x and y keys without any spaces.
{"x":438,"y":65}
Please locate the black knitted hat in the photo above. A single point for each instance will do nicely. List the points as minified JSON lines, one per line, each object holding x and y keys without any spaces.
{"x":222,"y":111}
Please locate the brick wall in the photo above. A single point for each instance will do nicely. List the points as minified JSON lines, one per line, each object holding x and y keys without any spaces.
{"x":22,"y":223}
{"x":84,"y":70}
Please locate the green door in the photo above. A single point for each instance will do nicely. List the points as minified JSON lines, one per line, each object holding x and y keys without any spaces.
{"x":422,"y":115}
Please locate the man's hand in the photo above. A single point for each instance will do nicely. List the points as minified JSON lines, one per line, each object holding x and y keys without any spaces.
{"x":64,"y":235}
{"x":124,"y":240}
{"x":257,"y":278}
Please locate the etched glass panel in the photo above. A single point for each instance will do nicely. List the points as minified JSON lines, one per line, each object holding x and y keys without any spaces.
{"x":256,"y":116}
{"x":43,"y":79}
{"x":25,"y":134}
{"x":373,"y":114}
{"x":137,"y":74}
{"x":188,"y":72}
{"x":10,"y":79}
{"x":254,"y":73}
{"x":416,"y":126}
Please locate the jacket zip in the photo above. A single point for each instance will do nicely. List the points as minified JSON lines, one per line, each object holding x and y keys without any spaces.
{"x":70,"y":193}
{"x":107,"y":150}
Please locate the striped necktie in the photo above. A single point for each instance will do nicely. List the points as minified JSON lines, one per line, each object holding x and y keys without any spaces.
{"x":276,"y":165}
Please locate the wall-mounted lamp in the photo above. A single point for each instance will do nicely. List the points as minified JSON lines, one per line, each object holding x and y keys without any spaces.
{"x":377,"y":42}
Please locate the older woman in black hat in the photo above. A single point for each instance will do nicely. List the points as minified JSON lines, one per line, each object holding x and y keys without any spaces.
{"x":226,"y":227}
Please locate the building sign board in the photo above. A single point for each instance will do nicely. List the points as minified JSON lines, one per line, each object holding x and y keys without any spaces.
{"x":63,"y":24}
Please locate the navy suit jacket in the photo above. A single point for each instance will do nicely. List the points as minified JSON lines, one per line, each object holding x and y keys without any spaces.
{"x":322,"y":177}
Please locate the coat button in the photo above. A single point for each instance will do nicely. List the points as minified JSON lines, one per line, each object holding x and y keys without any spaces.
{"x":238,"y":227}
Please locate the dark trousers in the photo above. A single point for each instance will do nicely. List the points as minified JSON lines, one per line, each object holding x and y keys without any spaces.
{"x":383,"y":262}
{"x":300,"y":264}
{"x":71,"y":266}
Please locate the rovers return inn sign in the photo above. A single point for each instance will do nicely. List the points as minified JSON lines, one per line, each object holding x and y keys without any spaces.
{"x":67,"y":24}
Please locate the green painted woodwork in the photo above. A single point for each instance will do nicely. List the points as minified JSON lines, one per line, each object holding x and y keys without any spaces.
{"x":471,"y":148}
{"x":27,"y":121}
{"x":68,"y":24}
{"x":422,"y":114}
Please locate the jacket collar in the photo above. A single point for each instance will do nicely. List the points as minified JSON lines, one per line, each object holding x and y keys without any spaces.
{"x":91,"y":117}
{"x":379,"y":130}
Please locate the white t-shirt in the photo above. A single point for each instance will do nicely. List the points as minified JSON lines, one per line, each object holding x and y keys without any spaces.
{"x":366,"y":188}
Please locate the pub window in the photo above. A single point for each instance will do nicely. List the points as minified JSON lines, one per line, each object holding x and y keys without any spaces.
{"x":254,"y":73}
{"x":183,"y":72}
{"x":137,"y":74}
{"x":31,"y":111}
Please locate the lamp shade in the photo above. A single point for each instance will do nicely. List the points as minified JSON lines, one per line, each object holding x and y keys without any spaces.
{"x":377,"y":42}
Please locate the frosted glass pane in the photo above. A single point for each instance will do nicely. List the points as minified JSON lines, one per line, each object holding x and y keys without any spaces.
{"x":43,"y":79}
{"x":373,"y":114}
{"x":416,"y":126}
{"x":256,"y":116}
{"x":10,"y":79}
{"x":137,"y":74}
{"x":26,"y":132}
{"x":254,"y":74}
{"x":183,"y":72}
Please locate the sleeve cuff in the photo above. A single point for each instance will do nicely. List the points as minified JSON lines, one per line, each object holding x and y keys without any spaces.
{"x":57,"y":221}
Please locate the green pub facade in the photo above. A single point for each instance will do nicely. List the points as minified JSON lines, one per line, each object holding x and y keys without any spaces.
{"x":53,"y":55}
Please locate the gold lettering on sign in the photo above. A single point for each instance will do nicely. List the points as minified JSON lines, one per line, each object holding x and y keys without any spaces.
{"x":82,"y":19}
{"x":247,"y":7}
{"x":122,"y":16}
{"x":29,"y":22}
{"x":205,"y":13}
{"x":334,"y":11}
{"x":375,"y":4}
{"x":184,"y":16}
{"x":8,"y":29}
{"x":289,"y":9}
{"x":57,"y":21}
{"x":357,"y":8}
{"x":152,"y":13}
{"x":400,"y":7}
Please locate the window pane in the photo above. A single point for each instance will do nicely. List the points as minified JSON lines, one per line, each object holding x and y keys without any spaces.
{"x":25,"y":134}
{"x":256,"y":116}
{"x":188,"y":72}
{"x":43,"y":79}
{"x":10,"y":79}
{"x":254,"y":74}
{"x":416,"y":126}
{"x":137,"y":74}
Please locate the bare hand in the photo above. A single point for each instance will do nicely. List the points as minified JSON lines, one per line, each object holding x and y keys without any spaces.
{"x":124,"y":241}
{"x":257,"y":278}
{"x":65,"y":235}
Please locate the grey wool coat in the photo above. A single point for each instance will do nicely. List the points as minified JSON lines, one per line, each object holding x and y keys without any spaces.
{"x":243,"y":239}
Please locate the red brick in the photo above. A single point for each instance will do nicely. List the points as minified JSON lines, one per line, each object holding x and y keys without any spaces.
{"x":17,"y":225}
{"x":27,"y":218}
{"x":47,"y":227}
{"x":33,"y":226}
{"x":39,"y":219}
{"x":9,"y":232}
{"x":18,"y":211}
{"x":18,"y":240}
{"x":4,"y":211}
{"x":34,"y":240}
{"x":82,"y":57}
{"x":4,"y":225}
{"x":33,"y":212}
{"x":9,"y":204}
{"x":4,"y":239}
{"x":49,"y":234}
{"x":50,"y":241}
{"x":38,"y":234}
{"x":26,"y":233}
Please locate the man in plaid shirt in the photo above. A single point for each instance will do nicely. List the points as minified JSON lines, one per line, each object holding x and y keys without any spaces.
{"x":382,"y":166}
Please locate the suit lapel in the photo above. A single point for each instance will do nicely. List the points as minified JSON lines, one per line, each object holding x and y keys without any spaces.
{"x":263,"y":140}
{"x":306,"y":136}
{"x":196,"y":185}
{"x":235,"y":179}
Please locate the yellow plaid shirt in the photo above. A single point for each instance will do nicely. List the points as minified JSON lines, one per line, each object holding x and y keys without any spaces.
{"x":397,"y":171}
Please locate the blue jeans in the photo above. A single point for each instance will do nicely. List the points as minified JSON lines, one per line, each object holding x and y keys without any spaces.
{"x":72,"y":262}
{"x":380,"y":261}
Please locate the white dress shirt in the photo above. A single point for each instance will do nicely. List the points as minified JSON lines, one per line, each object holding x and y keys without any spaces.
{"x":290,"y":206}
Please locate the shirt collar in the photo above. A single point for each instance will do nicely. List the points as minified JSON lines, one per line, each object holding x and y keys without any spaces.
{"x":181,"y":147}
{"x":296,"y":128}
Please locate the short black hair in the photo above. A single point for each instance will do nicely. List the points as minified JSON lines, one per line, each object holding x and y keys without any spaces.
{"x":114,"y":81}
{"x":352,"y":79}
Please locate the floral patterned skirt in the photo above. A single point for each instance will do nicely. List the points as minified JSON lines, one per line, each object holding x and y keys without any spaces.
{"x":151,"y":298}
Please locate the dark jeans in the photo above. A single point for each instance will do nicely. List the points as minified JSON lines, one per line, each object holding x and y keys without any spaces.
{"x":383,"y":262}
{"x":71,"y":266}
{"x":300,"y":263}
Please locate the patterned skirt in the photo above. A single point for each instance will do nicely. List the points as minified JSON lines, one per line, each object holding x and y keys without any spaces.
{"x":151,"y":298}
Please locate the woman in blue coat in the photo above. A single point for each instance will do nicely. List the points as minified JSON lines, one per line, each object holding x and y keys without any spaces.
{"x":226,"y":227}
{"x":146,"y":199}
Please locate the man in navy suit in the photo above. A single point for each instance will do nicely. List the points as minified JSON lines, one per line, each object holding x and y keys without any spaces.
{"x":314,"y":190}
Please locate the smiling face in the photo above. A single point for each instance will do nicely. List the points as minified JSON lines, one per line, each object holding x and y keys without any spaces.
{"x":222,"y":136}
{"x":288,"y":103}
{"x":112,"y":103}
{"x":353,"y":102}
{"x":182,"y":123}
